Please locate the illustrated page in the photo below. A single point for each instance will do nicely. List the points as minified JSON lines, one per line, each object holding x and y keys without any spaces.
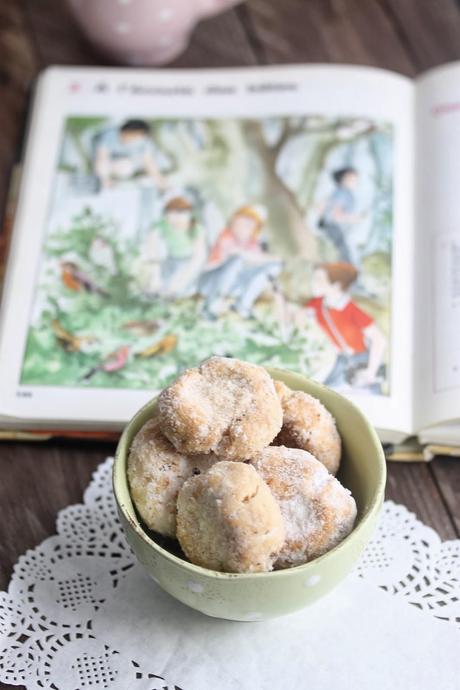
{"x":438,"y":246}
{"x":256,"y":214}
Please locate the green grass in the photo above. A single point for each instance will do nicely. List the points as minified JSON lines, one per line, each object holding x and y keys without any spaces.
{"x":258,"y":340}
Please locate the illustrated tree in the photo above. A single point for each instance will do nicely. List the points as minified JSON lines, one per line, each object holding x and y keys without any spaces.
{"x":289,"y":207}
{"x":240,"y":159}
{"x":379,"y":236}
{"x":76,"y":127}
{"x":214,"y":157}
{"x":229,"y":162}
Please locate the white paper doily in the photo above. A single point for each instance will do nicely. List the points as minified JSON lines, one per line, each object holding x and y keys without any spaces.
{"x":80,"y":613}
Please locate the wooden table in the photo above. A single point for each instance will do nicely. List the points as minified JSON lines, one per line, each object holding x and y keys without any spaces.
{"x":409,"y":36}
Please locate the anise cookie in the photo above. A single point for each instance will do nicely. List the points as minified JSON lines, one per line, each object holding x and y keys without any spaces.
{"x":156,"y":471}
{"x":224,"y":406}
{"x":318,"y":511}
{"x":228,"y":520}
{"x":308,"y":425}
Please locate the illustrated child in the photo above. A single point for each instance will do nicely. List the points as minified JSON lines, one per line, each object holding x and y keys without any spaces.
{"x":173,"y":253}
{"x":359,"y":342}
{"x":338,"y":214}
{"x":122,"y":152}
{"x":239,"y":268}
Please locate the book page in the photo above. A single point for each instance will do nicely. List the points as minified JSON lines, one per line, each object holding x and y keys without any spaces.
{"x":167,"y":216}
{"x":437,"y":331}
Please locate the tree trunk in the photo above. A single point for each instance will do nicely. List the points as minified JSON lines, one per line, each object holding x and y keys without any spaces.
{"x":313,"y":169}
{"x":290,"y":219}
{"x":283,"y":208}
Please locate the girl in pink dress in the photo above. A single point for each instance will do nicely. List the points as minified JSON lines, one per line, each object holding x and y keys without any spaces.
{"x":238,"y":268}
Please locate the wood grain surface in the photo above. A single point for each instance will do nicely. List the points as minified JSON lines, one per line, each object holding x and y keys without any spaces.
{"x":37,"y":480}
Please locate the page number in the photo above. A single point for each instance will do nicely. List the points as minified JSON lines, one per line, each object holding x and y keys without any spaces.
{"x":24,"y":394}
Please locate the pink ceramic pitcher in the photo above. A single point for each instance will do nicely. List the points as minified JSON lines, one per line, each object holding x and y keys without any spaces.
{"x":143,"y":32}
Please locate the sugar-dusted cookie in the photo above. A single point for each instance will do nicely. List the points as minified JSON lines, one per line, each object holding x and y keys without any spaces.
{"x":308,"y":425}
{"x":318,"y":511}
{"x":228,"y":520}
{"x":156,"y":471}
{"x":224,"y":406}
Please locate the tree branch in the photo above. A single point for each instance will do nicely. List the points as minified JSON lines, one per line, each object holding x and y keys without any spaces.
{"x":302,"y":127}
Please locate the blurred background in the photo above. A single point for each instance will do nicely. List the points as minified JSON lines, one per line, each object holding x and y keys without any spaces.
{"x":408,"y":36}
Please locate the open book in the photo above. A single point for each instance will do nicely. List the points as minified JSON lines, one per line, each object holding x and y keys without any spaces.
{"x":298,"y":217}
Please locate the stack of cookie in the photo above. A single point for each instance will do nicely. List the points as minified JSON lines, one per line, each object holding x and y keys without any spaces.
{"x":240,"y":469}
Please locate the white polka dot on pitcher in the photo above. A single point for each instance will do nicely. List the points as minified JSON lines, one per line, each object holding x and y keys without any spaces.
{"x":124,"y":2}
{"x":165,"y":41}
{"x":122,"y":28}
{"x":165,"y":14}
{"x":312,"y":580}
{"x":195,"y":587}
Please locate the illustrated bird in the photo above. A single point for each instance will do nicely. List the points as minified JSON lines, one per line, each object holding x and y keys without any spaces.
{"x":113,"y":362}
{"x":141,"y":327}
{"x":77,"y":280}
{"x":69,"y":341}
{"x":161,"y":347}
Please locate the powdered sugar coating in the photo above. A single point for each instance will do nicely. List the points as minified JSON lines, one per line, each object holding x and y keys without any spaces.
{"x":318,"y":511}
{"x":224,"y":406}
{"x":228,"y":520}
{"x":156,"y":471}
{"x":308,"y":425}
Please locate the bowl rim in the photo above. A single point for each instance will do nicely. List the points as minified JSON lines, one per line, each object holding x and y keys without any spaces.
{"x":119,"y":476}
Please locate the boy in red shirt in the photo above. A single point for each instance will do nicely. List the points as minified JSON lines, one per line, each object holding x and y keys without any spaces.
{"x":359,"y":342}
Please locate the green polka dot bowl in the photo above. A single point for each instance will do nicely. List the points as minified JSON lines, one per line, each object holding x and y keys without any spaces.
{"x":259,"y":596}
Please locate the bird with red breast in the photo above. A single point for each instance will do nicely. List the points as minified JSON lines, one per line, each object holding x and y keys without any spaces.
{"x":77,"y":280}
{"x":115,"y":361}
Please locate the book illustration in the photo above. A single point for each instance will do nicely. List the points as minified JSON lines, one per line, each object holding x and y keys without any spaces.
{"x":359,"y":341}
{"x":338,"y":211}
{"x":170,"y":240}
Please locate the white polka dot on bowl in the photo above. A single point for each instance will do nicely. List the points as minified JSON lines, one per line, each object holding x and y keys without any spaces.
{"x":253,"y":616}
{"x":195,"y":587}
{"x":312,"y":580}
